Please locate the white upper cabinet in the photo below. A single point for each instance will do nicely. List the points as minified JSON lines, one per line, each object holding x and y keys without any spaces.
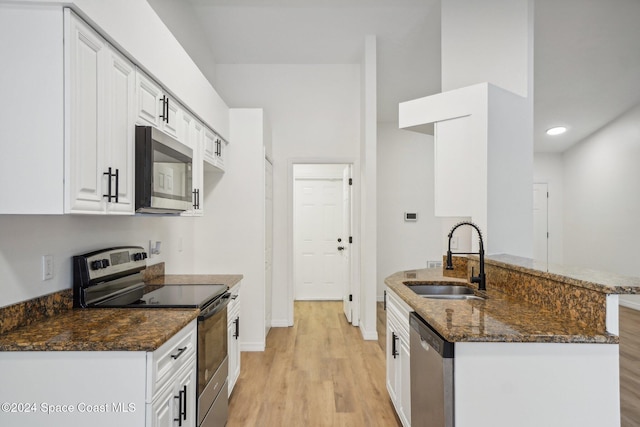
{"x":156,"y":108}
{"x":121,"y":131}
{"x":100,"y":86}
{"x":214,"y":150}
{"x":191,"y":134}
{"x":70,"y":105}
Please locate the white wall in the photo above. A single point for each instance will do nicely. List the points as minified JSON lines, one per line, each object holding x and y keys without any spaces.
{"x":602,"y":198}
{"x":489,"y":41}
{"x":230,"y":238}
{"x":25,"y":239}
{"x":405,"y":184}
{"x":366,"y":298}
{"x":314,"y":115}
{"x":548,"y":168}
{"x":178,"y":16}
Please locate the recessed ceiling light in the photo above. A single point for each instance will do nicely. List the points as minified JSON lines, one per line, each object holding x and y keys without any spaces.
{"x":558,"y":130}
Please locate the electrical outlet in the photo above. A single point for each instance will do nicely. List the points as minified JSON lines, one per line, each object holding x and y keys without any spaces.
{"x":47,"y":267}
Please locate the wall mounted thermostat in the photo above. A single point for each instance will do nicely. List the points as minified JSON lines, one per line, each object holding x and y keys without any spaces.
{"x":411,"y":216}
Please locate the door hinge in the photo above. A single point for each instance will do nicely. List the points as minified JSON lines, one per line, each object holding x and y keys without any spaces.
{"x":350,"y":297}
{"x":350,"y":181}
{"x":350,"y":239}
{"x":547,"y":194}
{"x":547,"y":234}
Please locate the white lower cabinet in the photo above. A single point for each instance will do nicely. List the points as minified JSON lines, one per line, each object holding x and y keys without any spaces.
{"x":398,"y":356}
{"x":175,"y":405}
{"x":233,"y":336}
{"x":102,"y":388}
{"x":171,"y":383}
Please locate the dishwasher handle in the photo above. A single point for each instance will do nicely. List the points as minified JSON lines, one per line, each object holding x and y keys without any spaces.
{"x":428,"y":336}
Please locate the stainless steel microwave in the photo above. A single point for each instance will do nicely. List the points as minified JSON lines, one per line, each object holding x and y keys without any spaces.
{"x":163,"y":172}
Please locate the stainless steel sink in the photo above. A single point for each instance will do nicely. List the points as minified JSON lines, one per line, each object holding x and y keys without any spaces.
{"x":437,"y":289}
{"x":445,"y":291}
{"x":467,"y":297}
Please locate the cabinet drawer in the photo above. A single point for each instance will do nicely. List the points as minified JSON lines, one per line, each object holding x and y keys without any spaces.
{"x":234,"y":300}
{"x":171,"y":357}
{"x":398,"y":310}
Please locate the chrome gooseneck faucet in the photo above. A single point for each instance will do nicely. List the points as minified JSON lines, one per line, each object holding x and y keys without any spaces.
{"x":481,"y":279}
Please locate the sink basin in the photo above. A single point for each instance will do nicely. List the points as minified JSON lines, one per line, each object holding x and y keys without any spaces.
{"x":467,"y":297}
{"x":429,"y":290}
{"x":451,"y":292}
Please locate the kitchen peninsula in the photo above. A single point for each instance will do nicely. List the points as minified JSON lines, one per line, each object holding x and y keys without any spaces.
{"x":540,"y":348}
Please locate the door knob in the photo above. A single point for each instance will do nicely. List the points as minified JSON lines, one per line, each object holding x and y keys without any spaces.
{"x":341,"y":248}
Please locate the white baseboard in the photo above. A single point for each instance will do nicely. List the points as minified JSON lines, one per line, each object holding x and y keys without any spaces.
{"x":630,"y":302}
{"x":252,"y":346}
{"x":368,"y":335}
{"x":280,"y":323}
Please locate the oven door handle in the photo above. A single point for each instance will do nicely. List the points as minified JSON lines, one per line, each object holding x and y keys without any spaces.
{"x":218,"y":307}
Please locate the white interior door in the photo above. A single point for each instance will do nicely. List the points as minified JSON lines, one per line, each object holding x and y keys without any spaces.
{"x":345,"y":244}
{"x":540,"y":225}
{"x":318,"y":264}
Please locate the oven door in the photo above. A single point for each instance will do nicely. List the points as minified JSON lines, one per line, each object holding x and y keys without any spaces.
{"x":212,"y":356}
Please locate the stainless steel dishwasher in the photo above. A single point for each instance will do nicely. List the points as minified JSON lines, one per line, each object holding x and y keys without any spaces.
{"x":431,"y":376}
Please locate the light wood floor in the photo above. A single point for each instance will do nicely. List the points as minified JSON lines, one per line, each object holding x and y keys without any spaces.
{"x":630,"y":367}
{"x":320,"y":372}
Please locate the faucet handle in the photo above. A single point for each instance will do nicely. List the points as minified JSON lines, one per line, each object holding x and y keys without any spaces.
{"x":474,"y":279}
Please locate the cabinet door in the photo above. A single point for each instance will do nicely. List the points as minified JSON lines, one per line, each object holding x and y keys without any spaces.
{"x":233,"y":334}
{"x":174,"y":118}
{"x":221,"y":154}
{"x":392,"y":345}
{"x":193,"y":139}
{"x":150,"y":105}
{"x":186,"y":390}
{"x":120,"y":99}
{"x":209,"y":147}
{"x":163,"y":409}
{"x":198,"y":167}
{"x":405,"y":383}
{"x":85,"y":54}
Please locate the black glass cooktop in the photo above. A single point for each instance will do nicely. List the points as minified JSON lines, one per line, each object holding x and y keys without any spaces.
{"x":185,"y":296}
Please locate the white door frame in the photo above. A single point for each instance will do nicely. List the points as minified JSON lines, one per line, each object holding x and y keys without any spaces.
{"x":355,"y":246}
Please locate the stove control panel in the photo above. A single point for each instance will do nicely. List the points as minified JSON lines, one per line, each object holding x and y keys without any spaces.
{"x":94,"y":266}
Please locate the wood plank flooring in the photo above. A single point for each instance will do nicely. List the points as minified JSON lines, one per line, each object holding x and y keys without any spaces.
{"x":320,"y":372}
{"x":629,"y":367}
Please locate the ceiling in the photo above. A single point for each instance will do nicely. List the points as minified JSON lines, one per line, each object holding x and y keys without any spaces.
{"x":586,"y":61}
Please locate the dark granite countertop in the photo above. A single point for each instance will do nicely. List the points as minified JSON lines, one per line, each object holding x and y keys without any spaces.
{"x":601,"y":281}
{"x":499,"y":318}
{"x":104,"y":329}
{"x":100,"y":329}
